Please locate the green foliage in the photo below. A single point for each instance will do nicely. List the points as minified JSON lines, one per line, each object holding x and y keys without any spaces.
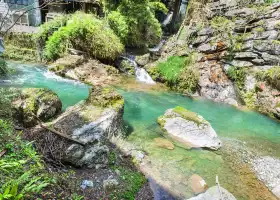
{"x":144,"y":28}
{"x":20,"y":46}
{"x":131,"y":183}
{"x":21,"y":171}
{"x":7,"y":95}
{"x":221,"y":24}
{"x":188,"y":80}
{"x":3,"y":67}
{"x":237,"y":74}
{"x":271,"y":76}
{"x":48,"y":28}
{"x":86,"y":33}
{"x":118,"y":23}
{"x":172,"y":68}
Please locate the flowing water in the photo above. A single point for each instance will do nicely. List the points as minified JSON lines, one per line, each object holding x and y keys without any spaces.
{"x":255,"y":131}
{"x":174,"y":167}
{"x":35,"y":76}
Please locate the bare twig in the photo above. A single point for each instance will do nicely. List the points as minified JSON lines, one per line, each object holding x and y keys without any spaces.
{"x":57,"y":132}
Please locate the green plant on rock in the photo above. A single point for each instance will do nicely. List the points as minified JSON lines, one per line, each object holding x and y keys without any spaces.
{"x":86,"y":33}
{"x":271,"y":76}
{"x":171,"y":69}
{"x":3,"y":67}
{"x":249,"y":99}
{"x":238,"y":75}
{"x":221,"y":24}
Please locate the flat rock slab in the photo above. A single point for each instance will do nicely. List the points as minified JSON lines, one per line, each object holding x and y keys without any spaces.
{"x":188,"y":129}
{"x":215,"y":193}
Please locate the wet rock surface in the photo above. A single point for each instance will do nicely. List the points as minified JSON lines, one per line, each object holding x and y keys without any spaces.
{"x":188,"y":129}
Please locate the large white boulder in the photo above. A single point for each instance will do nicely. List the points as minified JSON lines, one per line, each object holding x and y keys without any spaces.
{"x":188,"y":129}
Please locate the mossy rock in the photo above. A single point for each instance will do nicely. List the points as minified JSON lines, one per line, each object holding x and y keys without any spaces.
{"x":34,"y":102}
{"x":66,"y":63}
{"x":105,"y":97}
{"x":189,"y":115}
{"x":127,"y":68}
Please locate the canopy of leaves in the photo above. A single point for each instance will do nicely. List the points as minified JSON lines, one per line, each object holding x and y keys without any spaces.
{"x":86,"y":33}
{"x":142,"y":28}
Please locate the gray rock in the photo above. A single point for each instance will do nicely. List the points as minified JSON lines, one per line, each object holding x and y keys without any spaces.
{"x":142,"y":60}
{"x":110,"y":185}
{"x":189,"y":129}
{"x":250,"y":82}
{"x":268,"y":171}
{"x":258,"y":61}
{"x":240,"y":63}
{"x":213,"y":193}
{"x":271,"y":59}
{"x":200,"y":39}
{"x":271,"y":47}
{"x":205,"y":31}
{"x":32,"y":102}
{"x":206,"y":48}
{"x":244,"y":12}
{"x":242,"y":55}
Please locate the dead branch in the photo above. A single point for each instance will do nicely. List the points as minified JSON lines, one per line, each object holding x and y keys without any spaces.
{"x":57,"y":132}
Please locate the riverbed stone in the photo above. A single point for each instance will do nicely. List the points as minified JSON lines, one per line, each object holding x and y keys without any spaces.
{"x":198,"y":184}
{"x":36,"y":102}
{"x":188,"y":129}
{"x":143,"y":60}
{"x":110,"y":185}
{"x":214,"y":193}
{"x":164,"y":143}
{"x":276,"y":191}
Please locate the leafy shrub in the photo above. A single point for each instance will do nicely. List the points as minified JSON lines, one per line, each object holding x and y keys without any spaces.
{"x":172,"y":68}
{"x":237,"y":74}
{"x":144,"y":28}
{"x":188,"y":80}
{"x":118,"y":23}
{"x":48,"y":28}
{"x":271,"y":76}
{"x":86,"y":33}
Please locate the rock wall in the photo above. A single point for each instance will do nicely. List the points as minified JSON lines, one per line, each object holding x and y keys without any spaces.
{"x":238,"y":47}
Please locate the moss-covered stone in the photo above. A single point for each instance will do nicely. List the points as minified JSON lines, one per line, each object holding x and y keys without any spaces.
{"x":127,"y":67}
{"x":189,"y":115}
{"x":34,"y":102}
{"x":105,"y":97}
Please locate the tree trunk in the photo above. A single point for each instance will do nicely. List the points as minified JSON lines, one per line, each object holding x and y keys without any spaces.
{"x":176,"y":11}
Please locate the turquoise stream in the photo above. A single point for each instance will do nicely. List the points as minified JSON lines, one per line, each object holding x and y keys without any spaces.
{"x":174,"y":167}
{"x":37,"y":76}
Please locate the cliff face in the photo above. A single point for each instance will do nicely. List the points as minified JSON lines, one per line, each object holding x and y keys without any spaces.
{"x":237,"y":45}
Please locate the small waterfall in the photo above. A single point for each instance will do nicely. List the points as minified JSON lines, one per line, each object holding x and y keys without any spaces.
{"x":140,"y":73}
{"x":158,"y":47}
{"x":167,"y":19}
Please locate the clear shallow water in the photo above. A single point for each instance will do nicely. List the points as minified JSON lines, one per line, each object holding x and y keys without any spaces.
{"x":259,"y":133}
{"x":35,"y":76}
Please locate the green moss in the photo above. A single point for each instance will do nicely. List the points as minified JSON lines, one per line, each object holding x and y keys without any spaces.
{"x":161,"y":121}
{"x":127,"y":67}
{"x":221,"y":25}
{"x":105,"y":97}
{"x":259,"y":30}
{"x":188,"y":80}
{"x":189,"y":115}
{"x":132,"y":182}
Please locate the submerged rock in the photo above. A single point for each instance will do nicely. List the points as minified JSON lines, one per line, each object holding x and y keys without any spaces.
{"x":33,"y":102}
{"x":164,"y":143}
{"x":198,"y":185}
{"x":215,"y":193}
{"x":189,"y":129}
